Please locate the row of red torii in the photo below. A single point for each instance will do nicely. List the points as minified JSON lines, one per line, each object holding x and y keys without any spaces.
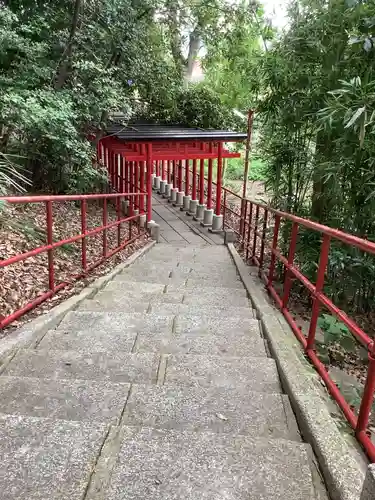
{"x":182,"y":170}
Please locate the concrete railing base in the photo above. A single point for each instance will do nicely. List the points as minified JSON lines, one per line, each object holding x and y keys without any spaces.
{"x":173,"y":197}
{"x":192,"y":208}
{"x":185,"y":203}
{"x":157,"y":180}
{"x":200,"y":212}
{"x":207,"y":217}
{"x":217,"y":224}
{"x":179,"y":199}
{"x":154,"y":230}
{"x":162,"y":187}
{"x":167,"y":190}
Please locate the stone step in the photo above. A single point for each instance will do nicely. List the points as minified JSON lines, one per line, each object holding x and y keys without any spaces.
{"x":231,"y":344}
{"x":215,"y":409}
{"x":221,"y":325}
{"x":42,"y":458}
{"x":204,"y":310}
{"x":220,"y":282}
{"x":106,"y":302}
{"x":257,"y":374}
{"x":178,"y":294}
{"x":175,"y":278}
{"x":211,"y":293}
{"x":99,"y":324}
{"x":63,"y":399}
{"x":158,"y":276}
{"x":142,"y":335}
{"x":53,"y":364}
{"x":172,"y":465}
{"x":193,"y":270}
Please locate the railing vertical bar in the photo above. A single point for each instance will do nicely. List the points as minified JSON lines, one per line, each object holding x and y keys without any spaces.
{"x":194,"y":187}
{"x":368,"y":394}
{"x":249,"y":230}
{"x":255,"y":237}
{"x":180,"y":176}
{"x":105,"y":222}
{"x":142,"y":186}
{"x":288,"y":274}
{"x":219,"y":177}
{"x":51,"y":268}
{"x":83,"y":232}
{"x":201,"y":182}
{"x":118,"y":212}
{"x":149,"y":182}
{"x":209,"y":182}
{"x":264,"y":233}
{"x":274,"y":248}
{"x":323,"y":262}
{"x":187,"y":178}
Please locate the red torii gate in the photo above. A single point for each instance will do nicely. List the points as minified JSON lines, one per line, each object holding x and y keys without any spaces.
{"x":140,"y":157}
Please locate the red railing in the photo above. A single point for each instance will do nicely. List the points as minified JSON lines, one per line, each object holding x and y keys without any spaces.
{"x":258,"y":229}
{"x":131,"y":233}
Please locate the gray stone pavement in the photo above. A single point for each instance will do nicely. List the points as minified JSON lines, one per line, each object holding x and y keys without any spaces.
{"x":159,"y":387}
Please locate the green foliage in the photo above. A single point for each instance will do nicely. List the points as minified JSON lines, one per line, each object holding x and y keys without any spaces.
{"x":316,"y":135}
{"x":66,"y":66}
{"x":199,"y":106}
{"x":335,"y":332}
{"x":235,"y":169}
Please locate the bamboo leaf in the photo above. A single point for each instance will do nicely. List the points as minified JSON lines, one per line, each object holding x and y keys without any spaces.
{"x":355,"y":116}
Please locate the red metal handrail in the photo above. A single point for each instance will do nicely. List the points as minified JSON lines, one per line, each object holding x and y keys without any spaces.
{"x":253,"y":229}
{"x":82,"y":237}
{"x":257,"y":235}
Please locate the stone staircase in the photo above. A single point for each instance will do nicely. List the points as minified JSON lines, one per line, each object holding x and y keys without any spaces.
{"x":160,"y":387}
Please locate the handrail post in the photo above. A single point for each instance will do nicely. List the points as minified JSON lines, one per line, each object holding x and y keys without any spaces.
{"x":323,"y":262}
{"x":263,"y":241}
{"x":149,"y":182}
{"x":273,"y":250}
{"x":217,"y":219}
{"x":193,"y":202}
{"x":180,"y":193}
{"x":368,"y":393}
{"x":142,"y":187}
{"x":288,"y":274}
{"x":201,"y":206}
{"x":208,"y":212}
{"x":186,"y":198}
{"x":51,"y":268}
{"x":83,"y":232}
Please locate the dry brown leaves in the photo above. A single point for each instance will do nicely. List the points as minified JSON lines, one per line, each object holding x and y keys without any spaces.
{"x":23,"y":228}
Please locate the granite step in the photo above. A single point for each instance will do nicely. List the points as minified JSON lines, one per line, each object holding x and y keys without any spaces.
{"x":115,"y":367}
{"x":43,"y":458}
{"x":237,"y":344}
{"x":220,"y":325}
{"x":105,"y":301}
{"x":100,"y":323}
{"x":173,"y":465}
{"x":216,"y":409}
{"x":172,"y":278}
{"x":150,"y":333}
{"x":256,"y":374}
{"x":211,"y":293}
{"x":62,"y":399}
{"x":204,"y":310}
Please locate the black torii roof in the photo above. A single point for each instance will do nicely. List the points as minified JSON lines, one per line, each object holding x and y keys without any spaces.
{"x":155,"y":132}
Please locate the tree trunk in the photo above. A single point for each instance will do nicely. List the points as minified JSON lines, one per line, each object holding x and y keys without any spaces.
{"x":194,"y":46}
{"x":65,"y":63}
{"x":175,"y":41}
